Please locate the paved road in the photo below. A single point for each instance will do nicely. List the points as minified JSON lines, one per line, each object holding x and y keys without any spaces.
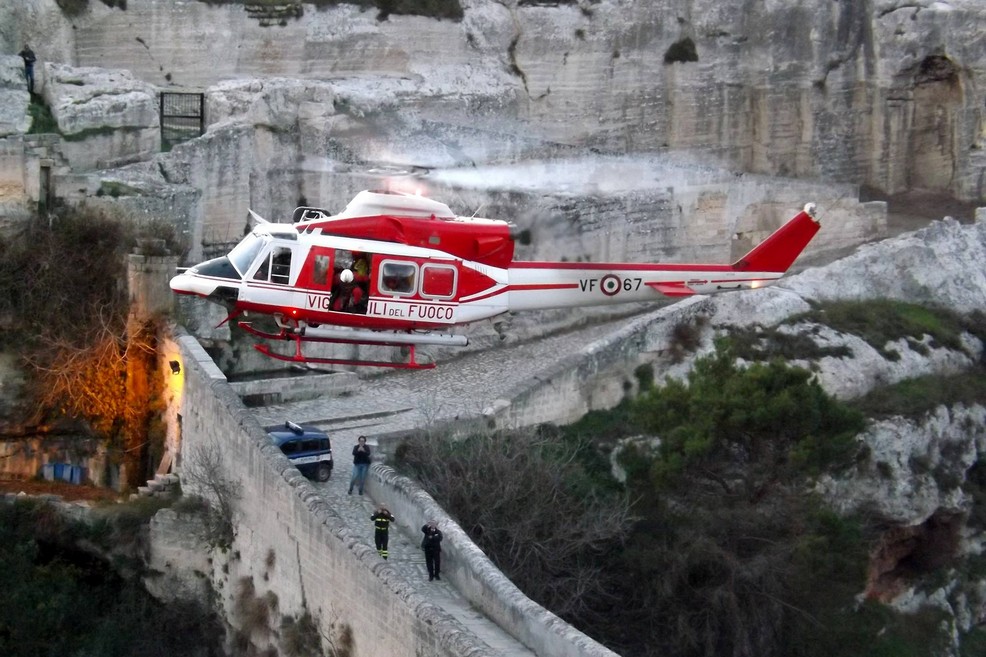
{"x":400,"y":400}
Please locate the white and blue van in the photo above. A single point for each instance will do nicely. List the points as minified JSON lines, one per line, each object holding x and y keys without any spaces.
{"x":307,"y":448}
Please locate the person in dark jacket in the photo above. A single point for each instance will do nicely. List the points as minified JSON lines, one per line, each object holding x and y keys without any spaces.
{"x":381,"y":526}
{"x":29,"y":58}
{"x":432,"y":545}
{"x":361,"y":464}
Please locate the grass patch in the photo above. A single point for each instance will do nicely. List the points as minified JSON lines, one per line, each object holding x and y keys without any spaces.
{"x":879,"y":321}
{"x":440,"y":9}
{"x":758,"y":343}
{"x":874,"y":630}
{"x":42,"y":122}
{"x":102,"y":131}
{"x":915,"y":397}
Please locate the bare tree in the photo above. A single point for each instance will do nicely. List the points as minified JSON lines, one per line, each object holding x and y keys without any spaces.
{"x":527,"y":502}
{"x":203,"y":470}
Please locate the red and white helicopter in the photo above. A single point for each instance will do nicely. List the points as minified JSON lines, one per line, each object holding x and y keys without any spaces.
{"x":402,"y":270}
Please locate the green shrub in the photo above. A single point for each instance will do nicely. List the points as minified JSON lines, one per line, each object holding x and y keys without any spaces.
{"x":645,"y":376}
{"x":59,"y":599}
{"x":42,"y":122}
{"x":300,"y":636}
{"x":973,"y":643}
{"x":773,"y":418}
{"x":686,"y":338}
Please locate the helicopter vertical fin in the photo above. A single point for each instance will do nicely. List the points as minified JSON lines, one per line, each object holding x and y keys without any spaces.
{"x":779,"y":251}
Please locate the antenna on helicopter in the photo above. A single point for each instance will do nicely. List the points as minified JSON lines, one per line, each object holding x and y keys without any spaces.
{"x":256,"y":218}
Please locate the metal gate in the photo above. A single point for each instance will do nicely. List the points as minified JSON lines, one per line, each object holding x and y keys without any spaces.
{"x":182,"y":117}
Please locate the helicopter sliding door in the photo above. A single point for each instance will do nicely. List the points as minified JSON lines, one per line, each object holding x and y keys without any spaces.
{"x":316,"y":277}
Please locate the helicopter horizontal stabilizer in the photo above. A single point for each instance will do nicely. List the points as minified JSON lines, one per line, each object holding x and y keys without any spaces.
{"x":672,"y":289}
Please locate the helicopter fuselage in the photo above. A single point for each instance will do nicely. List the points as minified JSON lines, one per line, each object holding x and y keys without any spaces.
{"x":396,"y":264}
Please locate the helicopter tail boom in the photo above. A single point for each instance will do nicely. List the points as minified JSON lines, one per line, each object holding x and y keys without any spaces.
{"x":542,"y":285}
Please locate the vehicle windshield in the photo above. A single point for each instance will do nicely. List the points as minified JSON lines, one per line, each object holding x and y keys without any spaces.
{"x":244,"y":253}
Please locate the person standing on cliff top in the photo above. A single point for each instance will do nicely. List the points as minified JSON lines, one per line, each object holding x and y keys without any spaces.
{"x":29,"y":58}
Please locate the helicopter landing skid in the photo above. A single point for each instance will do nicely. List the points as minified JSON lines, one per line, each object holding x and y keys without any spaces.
{"x":299,"y":357}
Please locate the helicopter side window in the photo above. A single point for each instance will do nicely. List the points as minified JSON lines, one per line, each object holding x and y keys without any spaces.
{"x":320,"y":273}
{"x":351,"y":281}
{"x":398,"y":278}
{"x":280,"y":270}
{"x":276,"y":267}
{"x":438,"y":281}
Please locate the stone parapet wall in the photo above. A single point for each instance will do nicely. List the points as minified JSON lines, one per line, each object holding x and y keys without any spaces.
{"x":301,"y":386}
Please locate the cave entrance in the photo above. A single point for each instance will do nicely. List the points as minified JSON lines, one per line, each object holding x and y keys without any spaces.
{"x":937,"y":99}
{"x":905,"y":553}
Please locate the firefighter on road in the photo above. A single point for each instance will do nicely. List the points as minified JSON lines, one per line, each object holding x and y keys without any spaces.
{"x":381,"y":525}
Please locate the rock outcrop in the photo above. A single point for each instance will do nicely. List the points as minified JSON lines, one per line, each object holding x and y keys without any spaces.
{"x":14,"y":99}
{"x":918,"y":477}
{"x":107,"y":117}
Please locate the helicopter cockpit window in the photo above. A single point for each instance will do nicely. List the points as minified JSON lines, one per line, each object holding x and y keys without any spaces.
{"x":398,"y":278}
{"x":244,"y":253}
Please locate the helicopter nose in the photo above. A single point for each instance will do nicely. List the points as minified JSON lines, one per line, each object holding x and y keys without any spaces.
{"x":189,"y":283}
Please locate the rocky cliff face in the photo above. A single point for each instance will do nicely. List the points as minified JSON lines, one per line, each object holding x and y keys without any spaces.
{"x":921,"y":477}
{"x":884,"y":92}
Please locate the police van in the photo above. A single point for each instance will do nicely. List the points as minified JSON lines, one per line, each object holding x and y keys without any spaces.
{"x":307,"y":448}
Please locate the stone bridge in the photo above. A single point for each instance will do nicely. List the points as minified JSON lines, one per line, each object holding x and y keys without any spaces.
{"x":308,"y":546}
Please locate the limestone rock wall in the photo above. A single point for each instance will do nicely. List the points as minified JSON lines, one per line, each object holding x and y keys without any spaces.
{"x":887,"y":93}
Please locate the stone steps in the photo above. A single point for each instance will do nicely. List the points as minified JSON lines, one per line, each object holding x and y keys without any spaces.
{"x":160,"y":486}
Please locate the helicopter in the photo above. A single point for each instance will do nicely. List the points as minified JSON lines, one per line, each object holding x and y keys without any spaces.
{"x":402,"y":270}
